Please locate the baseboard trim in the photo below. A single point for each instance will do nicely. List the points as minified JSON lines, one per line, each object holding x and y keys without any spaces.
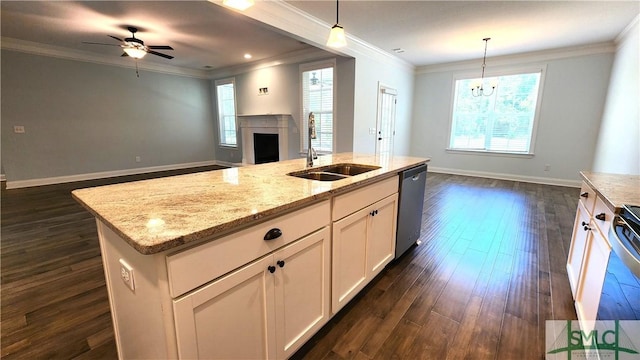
{"x":229,"y":164}
{"x":512,"y":177}
{"x":106,"y":174}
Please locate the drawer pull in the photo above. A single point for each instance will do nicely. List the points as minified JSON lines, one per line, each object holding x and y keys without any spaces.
{"x":600,"y":216}
{"x":280,"y":263}
{"x":271,"y":269}
{"x":273,"y":234}
{"x":586,"y":228}
{"x":584,"y":223}
{"x":585,"y":194}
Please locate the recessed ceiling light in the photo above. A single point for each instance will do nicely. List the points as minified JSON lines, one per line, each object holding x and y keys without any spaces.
{"x":398,"y":50}
{"x":238,"y":4}
{"x":247,"y":56}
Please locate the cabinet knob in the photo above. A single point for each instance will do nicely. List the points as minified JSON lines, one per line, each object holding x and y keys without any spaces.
{"x":585,"y":194}
{"x":374,"y":213}
{"x":600,"y":216}
{"x":271,"y":269}
{"x":280,"y":263}
{"x":273,"y":234}
{"x":586,"y":228}
{"x":584,"y":223}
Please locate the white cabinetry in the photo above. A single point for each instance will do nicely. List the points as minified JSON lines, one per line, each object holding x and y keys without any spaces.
{"x":264,"y":310}
{"x":364,"y":240}
{"x":589,"y":253}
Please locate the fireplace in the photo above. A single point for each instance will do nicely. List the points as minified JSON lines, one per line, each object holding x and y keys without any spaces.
{"x":276,"y":125}
{"x":265,"y":148}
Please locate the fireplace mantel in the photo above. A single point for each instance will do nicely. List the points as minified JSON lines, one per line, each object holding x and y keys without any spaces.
{"x":264,"y":124}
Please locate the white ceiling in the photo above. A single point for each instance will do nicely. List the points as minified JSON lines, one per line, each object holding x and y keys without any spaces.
{"x":435,"y":32}
{"x":430,"y":32}
{"x":201,"y":33}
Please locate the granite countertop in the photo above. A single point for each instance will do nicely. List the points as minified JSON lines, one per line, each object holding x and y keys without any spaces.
{"x":616,"y":190}
{"x":160,"y":214}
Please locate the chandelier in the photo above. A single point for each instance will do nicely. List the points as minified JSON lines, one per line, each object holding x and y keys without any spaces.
{"x":478,"y":88}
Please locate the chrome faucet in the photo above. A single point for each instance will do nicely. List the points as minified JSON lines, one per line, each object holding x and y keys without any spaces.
{"x":311,"y":153}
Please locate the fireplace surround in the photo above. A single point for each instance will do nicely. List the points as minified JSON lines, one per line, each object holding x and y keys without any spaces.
{"x":264,"y":124}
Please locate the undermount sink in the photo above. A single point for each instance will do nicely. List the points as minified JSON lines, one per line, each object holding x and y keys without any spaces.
{"x":350,"y":169}
{"x":321,"y":176}
{"x":334,"y":172}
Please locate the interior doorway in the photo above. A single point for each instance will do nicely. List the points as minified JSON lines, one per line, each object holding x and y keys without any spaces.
{"x":385,"y":125}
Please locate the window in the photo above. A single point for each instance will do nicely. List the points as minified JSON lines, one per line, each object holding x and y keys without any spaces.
{"x":226,"y":96}
{"x":503,"y":122}
{"x":317,"y":97}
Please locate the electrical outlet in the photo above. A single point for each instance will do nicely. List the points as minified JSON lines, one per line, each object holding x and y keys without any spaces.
{"x":126,"y":274}
{"x":372,"y":131}
{"x":138,"y":159}
{"x":18,"y":129}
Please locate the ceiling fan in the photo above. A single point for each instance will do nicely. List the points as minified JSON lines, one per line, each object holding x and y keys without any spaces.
{"x":135,"y":47}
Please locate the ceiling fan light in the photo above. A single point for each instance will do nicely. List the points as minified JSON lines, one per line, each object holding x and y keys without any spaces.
{"x":336,"y":37}
{"x":135,"y":52}
{"x":238,"y":4}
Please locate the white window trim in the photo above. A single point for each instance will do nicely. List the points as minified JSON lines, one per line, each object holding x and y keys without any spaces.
{"x":231,"y":80}
{"x":499,"y":71}
{"x":309,"y":67}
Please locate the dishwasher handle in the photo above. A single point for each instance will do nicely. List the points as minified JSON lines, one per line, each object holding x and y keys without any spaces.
{"x":414,"y":173}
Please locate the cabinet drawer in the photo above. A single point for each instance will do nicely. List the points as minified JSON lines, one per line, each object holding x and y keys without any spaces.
{"x":353,"y":201}
{"x":193,"y":267}
{"x":602,"y":216}
{"x":587,"y":197}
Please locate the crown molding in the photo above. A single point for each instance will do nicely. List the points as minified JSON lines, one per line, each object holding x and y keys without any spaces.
{"x":530,"y":57}
{"x":628,"y":30}
{"x":305,"y":27}
{"x":35,"y":48}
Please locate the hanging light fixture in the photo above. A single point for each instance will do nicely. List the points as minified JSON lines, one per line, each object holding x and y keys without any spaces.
{"x":477,"y":88}
{"x":336,"y":36}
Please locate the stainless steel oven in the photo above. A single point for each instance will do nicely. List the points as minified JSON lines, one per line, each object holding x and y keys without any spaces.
{"x":620,"y":298}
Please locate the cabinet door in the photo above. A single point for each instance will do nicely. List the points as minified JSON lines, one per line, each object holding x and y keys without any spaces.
{"x":592,"y":276}
{"x":577,"y":248}
{"x":231,"y":318}
{"x":381,"y":244}
{"x":302,"y":285}
{"x":349,"y":252}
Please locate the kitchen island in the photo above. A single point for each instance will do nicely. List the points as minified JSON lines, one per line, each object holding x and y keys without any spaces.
{"x":245,"y":262}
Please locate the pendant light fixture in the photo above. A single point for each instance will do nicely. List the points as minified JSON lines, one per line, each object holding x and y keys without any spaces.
{"x":336,"y":36}
{"x":477,"y":88}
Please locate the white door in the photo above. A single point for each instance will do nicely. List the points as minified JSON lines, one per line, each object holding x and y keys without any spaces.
{"x":302,"y":290}
{"x":381,"y":245}
{"x":231,"y":318}
{"x":385,"y":131}
{"x":349,"y":263}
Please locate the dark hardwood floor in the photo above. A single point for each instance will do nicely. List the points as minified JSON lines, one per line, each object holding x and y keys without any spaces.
{"x":489,"y":272}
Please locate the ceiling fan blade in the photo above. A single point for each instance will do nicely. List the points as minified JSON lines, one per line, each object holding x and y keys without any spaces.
{"x":96,"y":43}
{"x":160,"y":47}
{"x":160,"y":54}
{"x":111,"y":36}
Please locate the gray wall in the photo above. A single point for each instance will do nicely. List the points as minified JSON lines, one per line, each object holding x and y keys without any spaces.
{"x":618,"y":149}
{"x":84,"y":118}
{"x":571,"y":108}
{"x":283,"y":82}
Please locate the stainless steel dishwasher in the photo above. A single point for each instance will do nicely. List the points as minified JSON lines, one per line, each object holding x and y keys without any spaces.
{"x":412,"y":185}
